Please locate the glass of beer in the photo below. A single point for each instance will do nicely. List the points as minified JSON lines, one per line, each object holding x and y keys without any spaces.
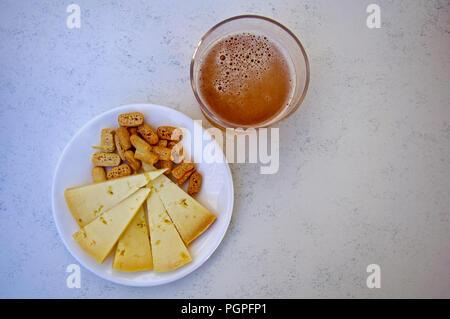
{"x":249,"y":71}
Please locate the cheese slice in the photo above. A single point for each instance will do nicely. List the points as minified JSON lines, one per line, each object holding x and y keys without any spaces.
{"x":99,"y":237}
{"x":90,"y":201}
{"x":133,"y":251}
{"x":189,"y":216}
{"x":147,"y":167}
{"x":169,"y":251}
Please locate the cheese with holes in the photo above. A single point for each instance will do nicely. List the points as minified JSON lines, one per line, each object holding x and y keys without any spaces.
{"x":168,"y":249}
{"x":89,"y":201}
{"x":133,"y":252}
{"x":189,"y":216}
{"x":99,"y":236}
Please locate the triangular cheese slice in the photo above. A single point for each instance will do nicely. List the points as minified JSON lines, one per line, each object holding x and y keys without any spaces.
{"x":89,"y":201}
{"x":133,"y":251}
{"x":169,"y":251}
{"x":148,"y":168}
{"x":99,"y":237}
{"x":189,"y":216}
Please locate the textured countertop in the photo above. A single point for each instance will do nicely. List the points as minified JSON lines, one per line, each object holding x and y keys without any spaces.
{"x":364,"y":164}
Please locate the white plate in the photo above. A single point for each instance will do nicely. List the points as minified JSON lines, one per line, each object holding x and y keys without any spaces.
{"x":74,"y":169}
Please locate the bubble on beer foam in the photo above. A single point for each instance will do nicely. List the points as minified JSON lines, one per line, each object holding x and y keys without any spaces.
{"x":243,"y":58}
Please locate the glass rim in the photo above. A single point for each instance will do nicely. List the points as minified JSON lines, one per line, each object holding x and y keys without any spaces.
{"x":212,"y":117}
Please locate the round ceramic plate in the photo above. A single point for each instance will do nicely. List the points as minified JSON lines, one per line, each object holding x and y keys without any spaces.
{"x":74,"y":169}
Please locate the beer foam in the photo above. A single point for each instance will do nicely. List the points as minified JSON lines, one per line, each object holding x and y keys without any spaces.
{"x":245,"y":78}
{"x":243,"y":56}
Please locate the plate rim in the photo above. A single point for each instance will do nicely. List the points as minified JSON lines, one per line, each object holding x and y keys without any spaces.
{"x":219,"y":240}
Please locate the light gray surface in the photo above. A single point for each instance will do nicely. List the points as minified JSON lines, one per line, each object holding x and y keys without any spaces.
{"x":365,"y":163}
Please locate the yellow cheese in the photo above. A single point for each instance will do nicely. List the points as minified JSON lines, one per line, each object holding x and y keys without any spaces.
{"x":89,"y":201}
{"x":189,"y":216}
{"x":133,"y":251}
{"x":147,"y":167}
{"x":99,"y":237}
{"x":169,"y":251}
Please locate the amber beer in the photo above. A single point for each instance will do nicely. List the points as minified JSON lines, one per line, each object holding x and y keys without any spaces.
{"x":245,"y":79}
